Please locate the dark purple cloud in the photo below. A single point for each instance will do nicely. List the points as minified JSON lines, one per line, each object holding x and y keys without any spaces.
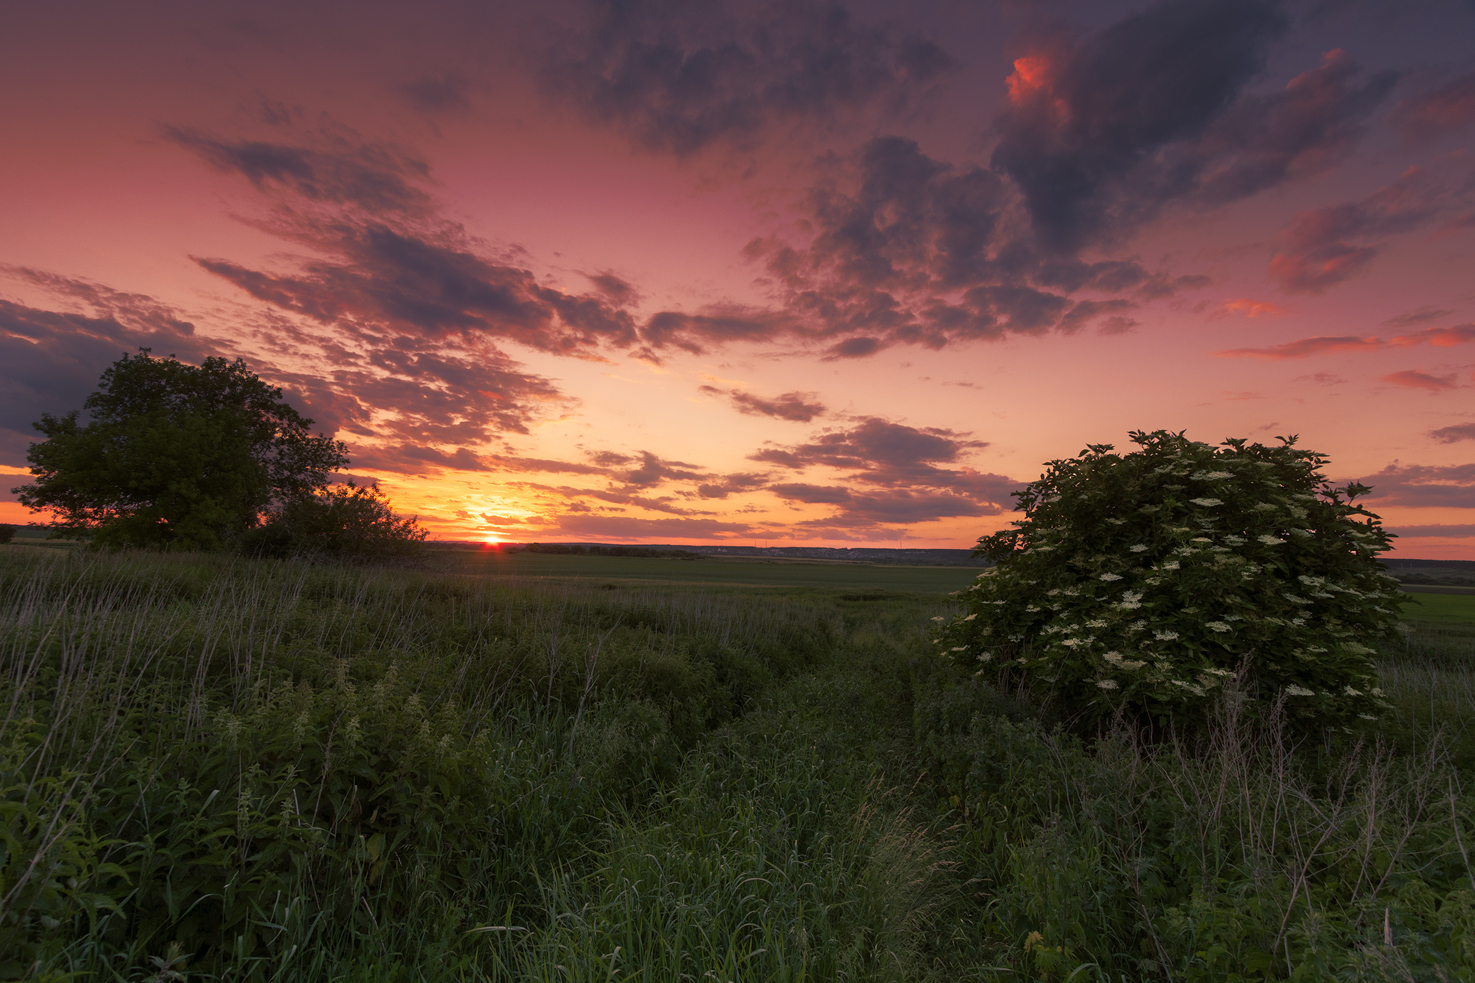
{"x":906,"y":249}
{"x":885,"y":452}
{"x":898,"y":469}
{"x":679,"y":76}
{"x":386,"y":263}
{"x":1450,"y":531}
{"x":435,"y":400}
{"x":377,"y":178}
{"x":1414,"y":379}
{"x":417,"y":459}
{"x":714,"y":326}
{"x":1085,"y":116}
{"x":729,"y":484}
{"x":1421,"y":316}
{"x":603,"y":528}
{"x":1305,"y":128}
{"x":797,"y":406}
{"x":50,"y":360}
{"x":889,"y":507}
{"x":650,"y":470}
{"x":1454,"y":433}
{"x":440,"y":92}
{"x":1423,"y":485}
{"x":616,"y":496}
{"x":377,"y":280}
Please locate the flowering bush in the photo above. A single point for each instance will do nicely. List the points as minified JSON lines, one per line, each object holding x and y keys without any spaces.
{"x":1142,"y":582}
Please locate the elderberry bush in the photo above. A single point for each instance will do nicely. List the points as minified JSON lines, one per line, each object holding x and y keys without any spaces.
{"x":1143,"y":583}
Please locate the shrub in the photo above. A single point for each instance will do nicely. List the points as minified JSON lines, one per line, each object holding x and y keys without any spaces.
{"x":1141,"y":583}
{"x":7,"y":533}
{"x":346,"y":521}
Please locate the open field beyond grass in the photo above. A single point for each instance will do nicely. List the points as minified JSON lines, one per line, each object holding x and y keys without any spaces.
{"x":710,"y":571}
{"x":1440,"y":608}
{"x":589,"y":768}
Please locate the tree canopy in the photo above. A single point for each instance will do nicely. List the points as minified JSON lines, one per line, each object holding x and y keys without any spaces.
{"x":176,"y":455}
{"x":1142,"y":583}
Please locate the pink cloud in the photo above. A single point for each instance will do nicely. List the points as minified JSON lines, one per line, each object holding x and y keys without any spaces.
{"x":1250,"y":307}
{"x":1430,"y":115}
{"x":1460,"y":334}
{"x":1325,"y":246}
{"x":1422,"y":380}
{"x":1303,"y":347}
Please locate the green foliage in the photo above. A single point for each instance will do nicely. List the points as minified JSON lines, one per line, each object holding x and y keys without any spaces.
{"x":217,"y":768}
{"x":175,"y":456}
{"x":1237,"y":857}
{"x":1143,"y":583}
{"x":263,"y":770}
{"x":343,"y":521}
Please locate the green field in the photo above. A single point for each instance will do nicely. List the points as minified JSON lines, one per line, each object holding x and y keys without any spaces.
{"x":1439,"y":608}
{"x":600,"y":768}
{"x":709,"y":572}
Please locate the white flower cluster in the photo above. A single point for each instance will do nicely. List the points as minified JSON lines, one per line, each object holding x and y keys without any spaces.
{"x":1138,"y":548}
{"x":1207,"y":503}
{"x":1110,"y":577}
{"x":1294,"y":690}
{"x":1218,"y":626}
{"x":1269,"y":540}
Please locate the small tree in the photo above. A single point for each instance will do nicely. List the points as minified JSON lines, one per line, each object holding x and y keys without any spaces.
{"x":175,"y":455}
{"x":1139,"y":583}
{"x":346,"y":522}
{"x":7,"y":533}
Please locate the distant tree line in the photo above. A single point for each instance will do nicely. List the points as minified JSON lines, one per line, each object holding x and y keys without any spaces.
{"x":571,"y":549}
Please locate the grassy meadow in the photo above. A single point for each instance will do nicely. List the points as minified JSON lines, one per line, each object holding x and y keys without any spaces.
{"x":717,"y":572}
{"x":591,"y":768}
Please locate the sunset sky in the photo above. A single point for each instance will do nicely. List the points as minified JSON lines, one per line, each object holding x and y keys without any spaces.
{"x":800,"y":273}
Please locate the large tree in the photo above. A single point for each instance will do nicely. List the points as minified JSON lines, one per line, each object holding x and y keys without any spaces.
{"x":176,"y":455}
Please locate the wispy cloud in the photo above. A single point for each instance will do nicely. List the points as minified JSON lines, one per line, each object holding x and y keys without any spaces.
{"x":800,"y":407}
{"x":1431,"y":114}
{"x":1424,"y":485}
{"x":1249,"y":307}
{"x":1414,"y":379}
{"x":1454,"y":432}
{"x":1326,"y":246}
{"x":1459,"y":334}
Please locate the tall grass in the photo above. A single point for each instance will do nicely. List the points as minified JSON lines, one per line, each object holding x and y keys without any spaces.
{"x":221,"y":769}
{"x":1236,"y":855}
{"x":263,"y":770}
